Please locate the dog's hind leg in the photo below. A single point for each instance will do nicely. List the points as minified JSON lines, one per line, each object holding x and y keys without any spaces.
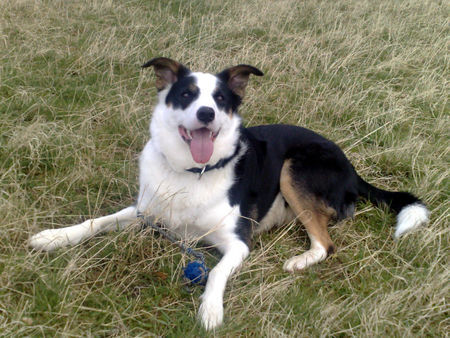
{"x":314,"y":215}
{"x":51,"y":239}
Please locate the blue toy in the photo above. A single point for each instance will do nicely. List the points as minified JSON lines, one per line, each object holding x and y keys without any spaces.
{"x":196,"y":273}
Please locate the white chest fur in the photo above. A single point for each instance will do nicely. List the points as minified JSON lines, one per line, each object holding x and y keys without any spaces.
{"x":190,"y":206}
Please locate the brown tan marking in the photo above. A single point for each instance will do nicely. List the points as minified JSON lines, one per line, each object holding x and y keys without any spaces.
{"x":166,"y":71}
{"x":193,"y":88}
{"x":314,"y":214}
{"x":238,"y":77}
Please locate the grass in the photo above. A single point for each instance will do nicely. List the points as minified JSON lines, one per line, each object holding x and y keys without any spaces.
{"x":74,"y":113}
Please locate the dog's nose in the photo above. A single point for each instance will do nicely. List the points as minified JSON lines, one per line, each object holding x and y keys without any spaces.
{"x":205,"y":114}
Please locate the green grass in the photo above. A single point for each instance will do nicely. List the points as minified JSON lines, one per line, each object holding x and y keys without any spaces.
{"x":74,"y":112}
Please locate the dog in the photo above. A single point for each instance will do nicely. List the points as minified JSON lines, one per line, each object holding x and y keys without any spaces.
{"x":207,"y":177}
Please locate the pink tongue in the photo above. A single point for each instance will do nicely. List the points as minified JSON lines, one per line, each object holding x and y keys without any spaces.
{"x":202,"y":145}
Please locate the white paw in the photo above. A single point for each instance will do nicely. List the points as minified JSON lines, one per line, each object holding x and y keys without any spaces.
{"x":211,"y":312}
{"x":50,"y":239}
{"x":306,"y":259}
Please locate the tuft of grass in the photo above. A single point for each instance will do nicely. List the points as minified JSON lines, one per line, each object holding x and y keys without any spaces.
{"x":74,"y":112}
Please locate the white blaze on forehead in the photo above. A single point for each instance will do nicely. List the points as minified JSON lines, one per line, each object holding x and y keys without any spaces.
{"x":207,"y":83}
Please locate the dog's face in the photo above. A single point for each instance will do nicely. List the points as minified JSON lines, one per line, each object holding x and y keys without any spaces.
{"x":196,"y":122}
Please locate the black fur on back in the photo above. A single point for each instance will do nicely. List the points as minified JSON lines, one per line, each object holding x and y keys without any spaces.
{"x":318,"y":166}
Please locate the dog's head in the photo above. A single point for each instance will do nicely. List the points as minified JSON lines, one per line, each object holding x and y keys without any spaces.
{"x":195,"y":121}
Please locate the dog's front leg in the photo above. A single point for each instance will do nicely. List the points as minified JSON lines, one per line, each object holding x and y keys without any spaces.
{"x":211,"y":307}
{"x":51,"y":239}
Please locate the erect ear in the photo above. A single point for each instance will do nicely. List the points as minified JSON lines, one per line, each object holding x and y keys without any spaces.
{"x":167,"y":71}
{"x":237,"y":77}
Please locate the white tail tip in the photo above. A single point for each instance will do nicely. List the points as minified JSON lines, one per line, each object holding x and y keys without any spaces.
{"x":411,"y":217}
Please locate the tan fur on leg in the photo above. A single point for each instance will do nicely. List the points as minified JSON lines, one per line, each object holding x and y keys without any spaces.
{"x":314,"y":215}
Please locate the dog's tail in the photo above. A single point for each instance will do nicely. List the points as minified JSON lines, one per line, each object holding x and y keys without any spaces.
{"x":411,"y":211}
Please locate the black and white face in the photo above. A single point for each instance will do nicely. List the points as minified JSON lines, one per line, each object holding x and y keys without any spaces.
{"x":197,"y":112}
{"x":202,"y":105}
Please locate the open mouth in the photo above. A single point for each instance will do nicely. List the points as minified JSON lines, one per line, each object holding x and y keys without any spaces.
{"x":200,"y":141}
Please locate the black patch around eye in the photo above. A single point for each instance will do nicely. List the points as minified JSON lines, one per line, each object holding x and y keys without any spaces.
{"x":225,"y":98}
{"x":183,"y":93}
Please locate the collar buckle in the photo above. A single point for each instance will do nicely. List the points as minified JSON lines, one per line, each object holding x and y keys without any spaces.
{"x":201,"y":172}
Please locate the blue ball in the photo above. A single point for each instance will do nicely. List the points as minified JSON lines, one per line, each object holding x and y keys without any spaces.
{"x":196,"y":273}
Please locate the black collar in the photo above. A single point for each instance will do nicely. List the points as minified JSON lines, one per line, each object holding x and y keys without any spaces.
{"x":220,"y":164}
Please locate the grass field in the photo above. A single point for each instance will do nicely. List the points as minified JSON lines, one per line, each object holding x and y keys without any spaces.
{"x":74,"y":112}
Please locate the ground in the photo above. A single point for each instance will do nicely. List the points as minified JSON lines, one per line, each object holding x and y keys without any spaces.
{"x":74,"y":112}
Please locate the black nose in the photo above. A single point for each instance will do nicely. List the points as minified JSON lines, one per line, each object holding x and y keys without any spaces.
{"x":205,"y":114}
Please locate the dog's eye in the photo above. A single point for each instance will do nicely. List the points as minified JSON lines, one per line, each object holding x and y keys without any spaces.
{"x":219,"y":97}
{"x":186,"y":94}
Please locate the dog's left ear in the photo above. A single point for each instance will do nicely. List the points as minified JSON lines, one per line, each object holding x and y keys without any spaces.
{"x":167,"y":71}
{"x":237,"y":77}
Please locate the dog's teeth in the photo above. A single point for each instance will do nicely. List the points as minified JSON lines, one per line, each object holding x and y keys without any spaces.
{"x":210,"y":134}
{"x":189,"y":134}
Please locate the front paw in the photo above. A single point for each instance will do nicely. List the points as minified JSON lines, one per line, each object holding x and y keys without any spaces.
{"x":49,"y":240}
{"x":211,"y":312}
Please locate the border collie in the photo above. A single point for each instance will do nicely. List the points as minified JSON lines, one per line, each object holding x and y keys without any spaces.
{"x":205,"y":176}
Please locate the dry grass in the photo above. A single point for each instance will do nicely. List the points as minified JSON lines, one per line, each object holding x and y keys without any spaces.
{"x":74,"y":112}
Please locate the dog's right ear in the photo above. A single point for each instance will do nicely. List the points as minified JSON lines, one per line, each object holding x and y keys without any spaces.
{"x":167,"y":71}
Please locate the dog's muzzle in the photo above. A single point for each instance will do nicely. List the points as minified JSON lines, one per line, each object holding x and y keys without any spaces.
{"x":205,"y":115}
